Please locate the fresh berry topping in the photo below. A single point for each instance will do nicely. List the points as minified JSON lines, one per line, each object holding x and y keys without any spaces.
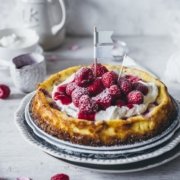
{"x":65,"y":99}
{"x":132,"y":79}
{"x":109,"y":78}
{"x":70,"y":88}
{"x":62,"y":88}
{"x":98,"y":69}
{"x":125,"y":86}
{"x":120,"y":103}
{"x":77,"y":93}
{"x":114,"y":91}
{"x":95,"y":87}
{"x":84,"y":76}
{"x":87,"y":105}
{"x":140,"y":87}
{"x":104,"y":99}
{"x":120,"y":79}
{"x":135,"y":97}
{"x":82,"y":115}
{"x":130,"y":106}
{"x":84,"y":99}
{"x":60,"y":177}
{"x":4,"y":91}
{"x":56,"y":94}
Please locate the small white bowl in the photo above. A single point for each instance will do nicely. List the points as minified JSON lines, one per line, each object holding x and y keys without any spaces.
{"x":26,"y":42}
{"x":27,"y":71}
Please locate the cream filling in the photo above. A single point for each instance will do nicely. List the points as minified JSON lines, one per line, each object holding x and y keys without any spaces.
{"x":113,"y":112}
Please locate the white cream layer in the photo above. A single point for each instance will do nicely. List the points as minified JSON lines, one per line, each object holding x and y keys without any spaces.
{"x":114,"y":112}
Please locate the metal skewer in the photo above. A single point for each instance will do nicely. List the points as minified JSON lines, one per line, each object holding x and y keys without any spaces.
{"x":95,"y":48}
{"x":122,"y":65}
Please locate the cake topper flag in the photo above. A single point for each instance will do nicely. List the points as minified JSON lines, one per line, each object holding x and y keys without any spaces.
{"x":103,"y":44}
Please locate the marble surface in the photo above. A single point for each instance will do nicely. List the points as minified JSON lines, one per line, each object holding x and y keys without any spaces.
{"x":19,"y":158}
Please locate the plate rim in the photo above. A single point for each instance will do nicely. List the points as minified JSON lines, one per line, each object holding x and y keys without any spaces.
{"x":108,"y":148}
{"x":19,"y":118}
{"x":116,"y":152}
{"x":166,"y":160}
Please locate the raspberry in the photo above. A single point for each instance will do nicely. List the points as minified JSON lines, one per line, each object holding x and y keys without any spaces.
{"x":4,"y":91}
{"x":70,"y":88}
{"x":130,"y":106}
{"x":65,"y":99}
{"x":120,"y":103}
{"x":61,"y":95}
{"x":140,"y":87}
{"x":82,"y":115}
{"x":60,"y":177}
{"x":98,"y":69}
{"x":95,"y":87}
{"x":104,"y":99}
{"x":84,"y":99}
{"x":84,"y":76}
{"x":62,"y":88}
{"x":109,"y":78}
{"x":77,"y":93}
{"x":120,"y":79}
{"x":125,"y":86}
{"x":135,"y":97}
{"x":114,"y":91}
{"x":132,"y":79}
{"x":87,"y":105}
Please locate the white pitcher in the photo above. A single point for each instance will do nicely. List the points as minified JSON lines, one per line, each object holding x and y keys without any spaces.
{"x":47,"y":18}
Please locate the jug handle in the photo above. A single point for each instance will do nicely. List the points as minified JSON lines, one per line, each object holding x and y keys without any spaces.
{"x":56,"y":28}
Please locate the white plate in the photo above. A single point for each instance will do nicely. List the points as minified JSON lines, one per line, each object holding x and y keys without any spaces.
{"x":132,"y":167}
{"x":98,"y":153}
{"x":164,"y":136}
{"x":64,"y":153}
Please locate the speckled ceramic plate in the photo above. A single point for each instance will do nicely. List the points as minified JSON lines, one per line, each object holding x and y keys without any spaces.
{"x":98,"y":153}
{"x":150,"y":143}
{"x":67,"y":155}
{"x":131,"y":167}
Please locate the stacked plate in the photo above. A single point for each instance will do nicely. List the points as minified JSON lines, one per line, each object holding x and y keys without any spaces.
{"x":122,"y":158}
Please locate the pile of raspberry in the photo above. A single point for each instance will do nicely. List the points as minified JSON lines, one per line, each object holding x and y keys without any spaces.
{"x":95,"y":88}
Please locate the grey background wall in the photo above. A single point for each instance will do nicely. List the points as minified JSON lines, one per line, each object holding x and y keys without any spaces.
{"x":126,"y":17}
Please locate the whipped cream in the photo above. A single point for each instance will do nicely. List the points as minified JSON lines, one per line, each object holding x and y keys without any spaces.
{"x":113,"y":112}
{"x":13,"y":41}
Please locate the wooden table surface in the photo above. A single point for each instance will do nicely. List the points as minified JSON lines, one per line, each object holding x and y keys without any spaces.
{"x":19,"y":158}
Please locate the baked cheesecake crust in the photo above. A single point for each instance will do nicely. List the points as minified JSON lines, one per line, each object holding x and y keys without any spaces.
{"x":100,"y":133}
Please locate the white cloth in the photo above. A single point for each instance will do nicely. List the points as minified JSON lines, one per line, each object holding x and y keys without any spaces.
{"x":129,"y":62}
{"x":172,"y":72}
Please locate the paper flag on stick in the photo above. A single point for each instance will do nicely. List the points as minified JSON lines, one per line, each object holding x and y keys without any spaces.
{"x":104,"y":52}
{"x":103,"y":44}
{"x":104,"y":37}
